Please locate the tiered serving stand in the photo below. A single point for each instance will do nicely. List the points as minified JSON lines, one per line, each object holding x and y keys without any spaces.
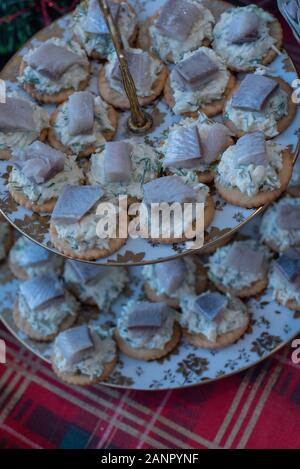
{"x":272,"y":326}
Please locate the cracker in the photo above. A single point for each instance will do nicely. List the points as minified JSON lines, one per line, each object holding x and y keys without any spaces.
{"x":75,"y":290}
{"x":84,"y":380}
{"x":55,"y":98}
{"x":121,"y":101}
{"x":206,"y":177}
{"x":209,"y":213}
{"x":224,"y":340}
{"x":131,"y":40}
{"x":236,"y":197}
{"x":282,"y":124}
{"x":89,"y":254}
{"x":6,"y":154}
{"x":108,"y":135}
{"x":144,"y":38}
{"x":253,"y":290}
{"x":201,"y":284}
{"x":25,"y":327}
{"x":149,"y":354}
{"x":277,"y":33}
{"x":22,"y":200}
{"x":94,"y":55}
{"x":212,"y":109}
{"x":20,"y":272}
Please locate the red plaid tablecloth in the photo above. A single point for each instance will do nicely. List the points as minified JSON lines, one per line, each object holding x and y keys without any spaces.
{"x":259,"y":408}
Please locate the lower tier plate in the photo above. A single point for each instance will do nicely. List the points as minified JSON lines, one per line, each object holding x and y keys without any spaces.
{"x":272,"y":326}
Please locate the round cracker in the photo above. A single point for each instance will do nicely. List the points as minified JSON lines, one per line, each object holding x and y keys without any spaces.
{"x":277,"y":33}
{"x":253,"y":290}
{"x":236,"y":197}
{"x":55,"y":98}
{"x":108,"y":135}
{"x":121,"y":101}
{"x":89,"y":254}
{"x":282,"y":124}
{"x":75,"y":290}
{"x":201,"y":284}
{"x":149,"y":354}
{"x":25,"y":326}
{"x":94,"y":55}
{"x":131,"y":40}
{"x":22,"y":200}
{"x":84,"y":380}
{"x":212,"y":109}
{"x":6,"y":154}
{"x":224,"y":340}
{"x":144,"y":38}
{"x":209,"y":213}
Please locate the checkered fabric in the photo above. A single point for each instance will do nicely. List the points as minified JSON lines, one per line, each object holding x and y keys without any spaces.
{"x":259,"y":408}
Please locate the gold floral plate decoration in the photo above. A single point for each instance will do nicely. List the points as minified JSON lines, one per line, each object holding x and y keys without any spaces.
{"x":227,"y":219}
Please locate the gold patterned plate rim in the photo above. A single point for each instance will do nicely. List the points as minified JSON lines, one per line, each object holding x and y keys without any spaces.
{"x":200,"y":383}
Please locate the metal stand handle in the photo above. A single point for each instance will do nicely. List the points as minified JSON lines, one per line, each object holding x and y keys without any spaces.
{"x":139,"y":122}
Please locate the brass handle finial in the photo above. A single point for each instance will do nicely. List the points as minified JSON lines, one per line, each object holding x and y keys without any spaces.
{"x":139,"y":121}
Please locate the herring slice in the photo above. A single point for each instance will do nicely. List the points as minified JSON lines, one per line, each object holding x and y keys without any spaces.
{"x":17,"y":115}
{"x":289,"y":217}
{"x":81,"y":113}
{"x":254,"y":92}
{"x":244,"y":27}
{"x":183,"y":148}
{"x":244,"y":259}
{"x":177,"y":19}
{"x":75,"y":344}
{"x":145,"y":315}
{"x":75,"y":202}
{"x":215,"y":142}
{"x":95,"y":22}
{"x":41,"y":292}
{"x":117,"y":161}
{"x":139,"y":63}
{"x":197,"y":69}
{"x":171,"y":274}
{"x":168,"y":189}
{"x":288,"y":267}
{"x":52,"y":60}
{"x":38,"y":162}
{"x":211,"y":305}
{"x":252,"y":149}
{"x":33,"y":255}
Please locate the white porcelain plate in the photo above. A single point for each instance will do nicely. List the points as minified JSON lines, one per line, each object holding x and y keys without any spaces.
{"x":272,"y":326}
{"x":228,"y":218}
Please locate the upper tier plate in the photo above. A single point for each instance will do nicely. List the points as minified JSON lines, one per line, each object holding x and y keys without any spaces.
{"x":228,"y":218}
